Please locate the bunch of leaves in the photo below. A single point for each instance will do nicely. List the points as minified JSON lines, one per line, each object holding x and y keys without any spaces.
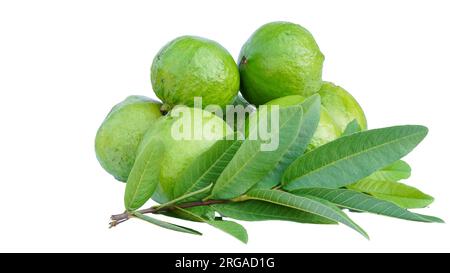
{"x":234,"y":179}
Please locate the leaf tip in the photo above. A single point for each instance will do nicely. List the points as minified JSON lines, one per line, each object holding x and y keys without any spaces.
{"x":438,"y":220}
{"x":423,"y":129}
{"x":366,"y":236}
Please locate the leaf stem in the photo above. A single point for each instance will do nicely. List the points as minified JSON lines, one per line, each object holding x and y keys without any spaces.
{"x":240,"y":198}
{"x":122,"y":217}
{"x":183,"y":197}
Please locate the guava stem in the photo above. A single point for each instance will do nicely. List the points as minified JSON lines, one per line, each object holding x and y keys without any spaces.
{"x":243,"y":60}
{"x":202,"y":203}
{"x":181,"y":198}
{"x":119,"y":218}
{"x":122,"y":217}
{"x":165,"y":108}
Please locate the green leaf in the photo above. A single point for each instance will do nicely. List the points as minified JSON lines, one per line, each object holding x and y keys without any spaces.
{"x":164,"y":224}
{"x":144,"y":176}
{"x":206,"y":168}
{"x":431,"y":218}
{"x":403,"y":195}
{"x":308,"y":125}
{"x":230,"y":227}
{"x":255,"y":210}
{"x":234,"y":229}
{"x":396,"y":171}
{"x":351,"y":158}
{"x":362,"y":202}
{"x":250,"y":164}
{"x":351,"y":128}
{"x":309,"y":204}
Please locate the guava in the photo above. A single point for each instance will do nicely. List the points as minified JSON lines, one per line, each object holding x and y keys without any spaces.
{"x":121,"y":132}
{"x":185,"y":133}
{"x":341,"y":106}
{"x":280,"y":59}
{"x":338,"y":108}
{"x":189,"y":67}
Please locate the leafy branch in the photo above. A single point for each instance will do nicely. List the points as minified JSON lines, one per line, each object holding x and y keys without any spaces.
{"x":122,"y":217}
{"x":360,"y":172}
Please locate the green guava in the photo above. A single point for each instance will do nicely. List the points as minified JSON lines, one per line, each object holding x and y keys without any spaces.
{"x":341,"y":106}
{"x":280,"y":59}
{"x":121,"y":132}
{"x":189,"y":67}
{"x":338,"y":108}
{"x":185,"y":133}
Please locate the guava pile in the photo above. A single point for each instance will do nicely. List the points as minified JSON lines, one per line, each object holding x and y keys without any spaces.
{"x":279,"y":65}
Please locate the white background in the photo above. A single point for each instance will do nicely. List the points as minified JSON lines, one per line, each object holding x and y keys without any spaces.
{"x":64,"y":64}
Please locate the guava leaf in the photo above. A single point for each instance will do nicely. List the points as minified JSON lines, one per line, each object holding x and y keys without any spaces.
{"x":230,"y":227}
{"x":351,"y":158}
{"x":234,"y":229}
{"x":433,"y":219}
{"x":308,"y":125}
{"x":396,"y":171}
{"x":362,"y":202}
{"x":144,"y":176}
{"x":351,"y":128}
{"x":206,"y":168}
{"x":309,"y":204}
{"x":164,"y":224}
{"x":255,"y":210}
{"x":403,"y":195}
{"x":250,"y":164}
